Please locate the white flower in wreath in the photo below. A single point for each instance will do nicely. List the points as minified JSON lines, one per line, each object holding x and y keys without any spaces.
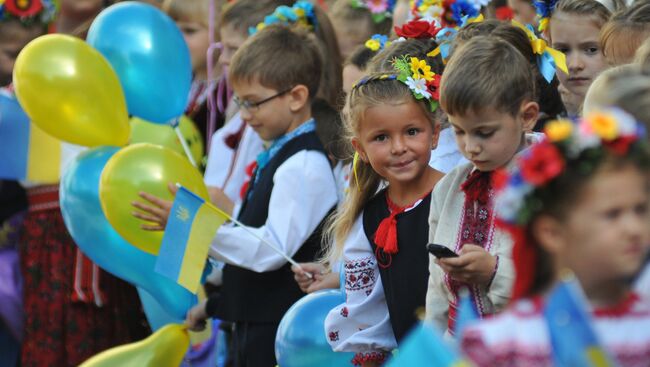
{"x":627,"y":125}
{"x":433,"y":14}
{"x":418,"y":86}
{"x":509,"y":202}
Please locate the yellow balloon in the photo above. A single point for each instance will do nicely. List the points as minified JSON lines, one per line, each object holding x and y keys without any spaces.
{"x":143,"y":131}
{"x":149,"y":168}
{"x":166,"y":347}
{"x":71,"y":92}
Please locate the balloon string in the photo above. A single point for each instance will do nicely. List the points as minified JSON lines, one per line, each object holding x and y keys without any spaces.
{"x":186,"y":147}
{"x":212,"y":116}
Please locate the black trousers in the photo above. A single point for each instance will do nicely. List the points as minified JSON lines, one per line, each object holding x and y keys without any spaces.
{"x":253,"y":344}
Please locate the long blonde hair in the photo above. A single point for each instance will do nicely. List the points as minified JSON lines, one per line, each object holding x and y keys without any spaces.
{"x":375,"y":90}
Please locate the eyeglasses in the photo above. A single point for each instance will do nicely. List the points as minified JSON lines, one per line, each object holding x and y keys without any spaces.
{"x":254,"y":106}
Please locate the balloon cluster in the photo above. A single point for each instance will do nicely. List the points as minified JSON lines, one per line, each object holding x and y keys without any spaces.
{"x":135,"y":62}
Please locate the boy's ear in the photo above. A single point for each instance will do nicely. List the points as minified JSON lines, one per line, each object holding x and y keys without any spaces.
{"x":529,"y":113}
{"x":299,"y":97}
{"x":359,"y":149}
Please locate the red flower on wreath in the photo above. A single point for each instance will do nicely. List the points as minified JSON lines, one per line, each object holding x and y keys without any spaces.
{"x":417,"y":28}
{"x":621,"y":145}
{"x":500,"y":179}
{"x":434,"y":87}
{"x":542,"y":164}
{"x":23,"y":8}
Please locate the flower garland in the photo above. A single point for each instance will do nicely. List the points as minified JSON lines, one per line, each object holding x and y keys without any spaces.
{"x":519,"y":191}
{"x":379,"y":9}
{"x":417,"y":75}
{"x":28,"y":11}
{"x":377,"y":42}
{"x":302,"y":12}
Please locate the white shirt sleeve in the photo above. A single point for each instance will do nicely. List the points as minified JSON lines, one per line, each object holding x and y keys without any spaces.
{"x":362,"y":323}
{"x":303,"y":193}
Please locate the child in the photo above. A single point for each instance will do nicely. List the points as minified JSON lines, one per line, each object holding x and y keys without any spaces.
{"x":487,"y":91}
{"x":14,"y":35}
{"x":192,"y":18}
{"x":381,"y":236}
{"x":354,"y":24}
{"x":584,"y":207}
{"x":524,"y":11}
{"x":573,"y":30}
{"x":625,"y":32}
{"x":275,"y":75}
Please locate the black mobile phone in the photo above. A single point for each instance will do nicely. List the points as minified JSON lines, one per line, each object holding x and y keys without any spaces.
{"x":440,"y":251}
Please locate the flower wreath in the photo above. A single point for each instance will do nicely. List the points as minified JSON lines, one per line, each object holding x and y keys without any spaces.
{"x":417,"y":75}
{"x":418,"y":28}
{"x":28,"y":11}
{"x":377,"y":42}
{"x":380,"y":10}
{"x":567,"y":144}
{"x":302,"y":12}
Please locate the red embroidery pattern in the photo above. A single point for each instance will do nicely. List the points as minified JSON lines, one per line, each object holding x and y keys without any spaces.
{"x":361,"y":358}
{"x":334,"y":336}
{"x":344,"y":312}
{"x":360,"y":275}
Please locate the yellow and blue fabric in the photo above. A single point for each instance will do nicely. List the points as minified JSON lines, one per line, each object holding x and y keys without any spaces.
{"x":424,"y":347}
{"x":27,"y":152}
{"x":444,"y":39}
{"x":573,"y":339}
{"x":548,"y":59}
{"x":302,"y":12}
{"x":466,"y":315}
{"x":191,"y":225}
{"x":544,"y":10}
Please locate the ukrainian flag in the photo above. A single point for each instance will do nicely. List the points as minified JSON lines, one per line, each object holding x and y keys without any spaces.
{"x":424,"y":347}
{"x":573,"y":338}
{"x":191,"y":225}
{"x":28,"y":153}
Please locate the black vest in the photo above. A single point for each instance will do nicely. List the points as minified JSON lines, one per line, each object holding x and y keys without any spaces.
{"x":405,"y":280}
{"x":248,"y":296}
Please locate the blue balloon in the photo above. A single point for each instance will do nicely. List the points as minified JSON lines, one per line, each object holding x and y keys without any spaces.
{"x":83,"y":216}
{"x":300,"y":341}
{"x":149,"y":55}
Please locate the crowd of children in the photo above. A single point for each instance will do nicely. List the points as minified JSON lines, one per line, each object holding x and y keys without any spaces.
{"x":406,"y":152}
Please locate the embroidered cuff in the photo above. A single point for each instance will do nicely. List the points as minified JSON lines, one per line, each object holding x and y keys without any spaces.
{"x":494,"y":272}
{"x":360,"y":358}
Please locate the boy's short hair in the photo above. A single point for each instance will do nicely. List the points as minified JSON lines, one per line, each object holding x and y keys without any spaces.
{"x":244,"y":14}
{"x":486,"y":73}
{"x":280,"y":58}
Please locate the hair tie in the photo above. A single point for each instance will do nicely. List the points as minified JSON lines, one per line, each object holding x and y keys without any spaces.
{"x":302,"y":12}
{"x":548,"y":58}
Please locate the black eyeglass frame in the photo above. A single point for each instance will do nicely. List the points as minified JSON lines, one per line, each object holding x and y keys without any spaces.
{"x":254,"y":106}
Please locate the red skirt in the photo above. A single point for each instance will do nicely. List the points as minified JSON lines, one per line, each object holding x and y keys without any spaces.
{"x":61,"y":330}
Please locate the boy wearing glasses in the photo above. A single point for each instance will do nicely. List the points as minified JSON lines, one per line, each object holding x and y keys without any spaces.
{"x":274,"y":75}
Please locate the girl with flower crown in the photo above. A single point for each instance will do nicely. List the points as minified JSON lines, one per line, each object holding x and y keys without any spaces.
{"x":381,"y":231}
{"x":578,"y":201}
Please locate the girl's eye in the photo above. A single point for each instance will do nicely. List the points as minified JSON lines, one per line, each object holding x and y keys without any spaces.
{"x":592,"y":50}
{"x":564,"y":50}
{"x":189,"y":30}
{"x":381,"y":137}
{"x":413,"y":131}
{"x":612,"y":214}
{"x":641,"y":209}
{"x":458,"y":132}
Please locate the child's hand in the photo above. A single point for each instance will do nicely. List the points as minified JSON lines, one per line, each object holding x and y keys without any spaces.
{"x":319,"y":279}
{"x":473,"y":266}
{"x":220,"y":200}
{"x":196,"y":316}
{"x":156,"y":213}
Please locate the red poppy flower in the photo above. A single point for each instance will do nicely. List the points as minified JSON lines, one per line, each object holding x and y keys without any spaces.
{"x":23,"y":8}
{"x":504,"y":13}
{"x":434,"y":87}
{"x":500,"y":179}
{"x":417,"y":29}
{"x":542,"y":165}
{"x":621,"y":145}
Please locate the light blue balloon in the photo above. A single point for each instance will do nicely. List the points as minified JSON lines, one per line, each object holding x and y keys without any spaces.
{"x":83,"y":216}
{"x":149,"y":55}
{"x":300,"y":341}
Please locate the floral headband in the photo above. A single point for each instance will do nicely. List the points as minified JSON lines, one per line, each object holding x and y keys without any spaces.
{"x":302,"y":12}
{"x":518,"y":191}
{"x":416,"y":74}
{"x":548,"y":59}
{"x":379,"y":9}
{"x":28,"y":11}
{"x":418,"y":28}
{"x":377,"y":42}
{"x":544,"y":10}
